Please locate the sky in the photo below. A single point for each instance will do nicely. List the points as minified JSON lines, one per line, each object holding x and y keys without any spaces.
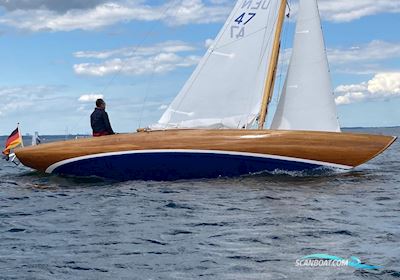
{"x":58,"y":56}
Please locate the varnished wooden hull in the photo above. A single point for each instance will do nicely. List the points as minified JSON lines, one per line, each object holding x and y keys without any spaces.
{"x":187,"y":154}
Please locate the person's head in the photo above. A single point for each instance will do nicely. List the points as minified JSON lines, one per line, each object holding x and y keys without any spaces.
{"x":100,"y":103}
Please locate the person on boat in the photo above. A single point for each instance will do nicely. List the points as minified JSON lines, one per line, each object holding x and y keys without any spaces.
{"x":99,"y":120}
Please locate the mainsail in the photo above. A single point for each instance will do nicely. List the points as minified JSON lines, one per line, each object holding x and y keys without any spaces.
{"x":307,"y":101}
{"x":225,"y":90}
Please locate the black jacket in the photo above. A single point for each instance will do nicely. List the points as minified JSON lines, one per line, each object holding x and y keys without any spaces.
{"x":100,"y":122}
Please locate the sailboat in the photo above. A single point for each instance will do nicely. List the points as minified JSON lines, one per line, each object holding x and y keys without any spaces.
{"x":215,"y":125}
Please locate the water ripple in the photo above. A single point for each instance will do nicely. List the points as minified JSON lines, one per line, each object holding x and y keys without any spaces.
{"x":253,"y":227}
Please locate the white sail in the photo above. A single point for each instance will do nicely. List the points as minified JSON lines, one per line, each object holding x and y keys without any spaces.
{"x":307,"y":101}
{"x":225,"y":90}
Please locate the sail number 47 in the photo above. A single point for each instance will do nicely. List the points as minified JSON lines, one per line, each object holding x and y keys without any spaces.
{"x":238,"y":30}
{"x":242,"y":17}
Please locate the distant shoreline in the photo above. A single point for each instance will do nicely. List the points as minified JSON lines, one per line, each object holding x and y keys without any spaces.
{"x":371,"y":127}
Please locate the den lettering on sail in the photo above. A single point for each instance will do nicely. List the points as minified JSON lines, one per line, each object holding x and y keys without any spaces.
{"x":255,"y":4}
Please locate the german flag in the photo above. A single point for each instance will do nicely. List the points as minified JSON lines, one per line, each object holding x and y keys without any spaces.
{"x":14,"y":140}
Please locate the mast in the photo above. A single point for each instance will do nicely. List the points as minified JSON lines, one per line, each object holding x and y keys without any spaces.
{"x":270,"y":80}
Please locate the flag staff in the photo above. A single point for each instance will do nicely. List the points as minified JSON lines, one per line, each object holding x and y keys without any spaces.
{"x":20,"y":136}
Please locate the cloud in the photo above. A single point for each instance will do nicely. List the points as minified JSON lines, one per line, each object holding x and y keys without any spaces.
{"x":158,"y":59}
{"x":62,"y":15}
{"x":208,"y":43}
{"x":361,"y":59}
{"x":29,"y":99}
{"x":53,"y":5}
{"x":162,"y":107}
{"x":52,"y":109}
{"x":197,"y":11}
{"x":43,"y":108}
{"x":159,"y":64}
{"x":345,"y":10}
{"x":100,"y":16}
{"x":375,"y":50}
{"x":22,"y":98}
{"x":365,"y":59}
{"x":105,"y":14}
{"x":90,"y":97}
{"x":381,"y":86}
{"x":167,"y":47}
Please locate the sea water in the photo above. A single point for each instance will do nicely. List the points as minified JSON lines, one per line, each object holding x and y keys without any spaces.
{"x":253,"y":227}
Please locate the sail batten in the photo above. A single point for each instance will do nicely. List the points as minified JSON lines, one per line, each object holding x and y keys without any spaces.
{"x":226,"y":88}
{"x":307,"y":101}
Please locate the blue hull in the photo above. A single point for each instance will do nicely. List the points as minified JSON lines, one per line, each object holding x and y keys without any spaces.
{"x":169,"y":166}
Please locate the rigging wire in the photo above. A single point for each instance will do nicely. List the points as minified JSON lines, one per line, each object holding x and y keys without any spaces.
{"x":147,"y":34}
{"x":145,"y":98}
{"x":149,"y":83}
{"x":137,"y":47}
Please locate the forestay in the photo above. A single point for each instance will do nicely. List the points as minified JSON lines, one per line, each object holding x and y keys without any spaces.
{"x":225,"y":90}
{"x":307,"y":101}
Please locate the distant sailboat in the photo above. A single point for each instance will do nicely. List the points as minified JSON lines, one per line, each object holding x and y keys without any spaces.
{"x":208,"y":130}
{"x":36,"y":140}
